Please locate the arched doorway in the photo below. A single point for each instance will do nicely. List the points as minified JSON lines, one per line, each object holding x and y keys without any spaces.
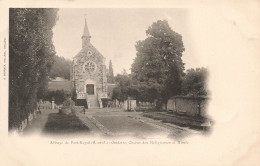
{"x":90,"y":87}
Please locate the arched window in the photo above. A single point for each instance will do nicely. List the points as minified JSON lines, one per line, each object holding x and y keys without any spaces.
{"x":90,"y":66}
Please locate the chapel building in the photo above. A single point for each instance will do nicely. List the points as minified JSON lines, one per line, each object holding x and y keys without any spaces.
{"x":88,"y":74}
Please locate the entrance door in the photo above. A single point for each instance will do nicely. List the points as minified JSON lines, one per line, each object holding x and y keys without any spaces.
{"x":90,"y":89}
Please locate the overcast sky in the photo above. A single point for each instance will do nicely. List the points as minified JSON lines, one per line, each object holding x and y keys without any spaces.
{"x":114,"y":32}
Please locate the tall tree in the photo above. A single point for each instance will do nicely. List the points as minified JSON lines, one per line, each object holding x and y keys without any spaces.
{"x":31,"y":52}
{"x":110,"y":78}
{"x":159,"y":60}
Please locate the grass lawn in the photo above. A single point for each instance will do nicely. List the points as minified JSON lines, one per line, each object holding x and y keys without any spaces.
{"x":64,"y":124}
{"x":124,"y":124}
{"x":59,"y":85}
{"x":177,"y":120}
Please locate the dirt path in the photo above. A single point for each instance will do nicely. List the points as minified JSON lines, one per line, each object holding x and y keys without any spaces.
{"x":105,"y":122}
{"x":39,"y":122}
{"x":115,"y":122}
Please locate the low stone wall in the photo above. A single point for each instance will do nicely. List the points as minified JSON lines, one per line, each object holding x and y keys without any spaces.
{"x":26,"y":121}
{"x":190,"y":106}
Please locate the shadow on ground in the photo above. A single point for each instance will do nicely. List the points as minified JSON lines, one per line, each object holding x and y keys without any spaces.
{"x":58,"y":123}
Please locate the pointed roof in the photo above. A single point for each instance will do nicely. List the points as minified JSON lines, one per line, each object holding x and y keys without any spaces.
{"x":86,"y":31}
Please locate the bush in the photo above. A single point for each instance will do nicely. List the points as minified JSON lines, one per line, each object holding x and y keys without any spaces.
{"x":104,"y":102}
{"x":59,"y":96}
{"x":68,"y":102}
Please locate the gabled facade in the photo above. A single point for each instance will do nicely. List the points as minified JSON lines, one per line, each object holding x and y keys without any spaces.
{"x":88,"y":74}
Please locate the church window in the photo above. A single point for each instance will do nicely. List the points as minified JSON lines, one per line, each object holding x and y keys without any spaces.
{"x":90,"y":66}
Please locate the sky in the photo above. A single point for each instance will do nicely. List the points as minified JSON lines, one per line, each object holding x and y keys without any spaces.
{"x":114,"y":32}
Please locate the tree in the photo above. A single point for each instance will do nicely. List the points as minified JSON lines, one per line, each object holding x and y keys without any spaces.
{"x":59,"y":96}
{"x":60,"y":68}
{"x":110,"y":77}
{"x":121,"y":91}
{"x":195,"y":82}
{"x":127,"y":87}
{"x":124,"y":73}
{"x":158,"y":61}
{"x":31,"y":53}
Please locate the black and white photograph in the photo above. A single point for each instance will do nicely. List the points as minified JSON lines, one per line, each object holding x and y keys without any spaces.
{"x":129,"y":83}
{"x":111,"y":72}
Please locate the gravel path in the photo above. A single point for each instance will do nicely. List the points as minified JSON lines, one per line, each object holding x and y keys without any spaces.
{"x":115,"y":122}
{"x":108,"y":122}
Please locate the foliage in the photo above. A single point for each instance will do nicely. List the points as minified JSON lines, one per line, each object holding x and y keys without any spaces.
{"x":59,"y":96}
{"x":43,"y":87}
{"x":110,"y":76}
{"x":60,"y":68}
{"x":146,"y":93}
{"x":124,"y":73}
{"x":68,"y":102}
{"x":124,"y":80}
{"x":195,"y":82}
{"x":74,"y":94}
{"x":121,"y":91}
{"x":127,"y":87}
{"x":59,"y":85}
{"x":105,"y":102}
{"x":31,"y":53}
{"x":158,"y":63}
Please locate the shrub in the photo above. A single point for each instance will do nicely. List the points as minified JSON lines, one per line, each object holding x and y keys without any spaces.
{"x":104,"y":102}
{"x":59,"y":96}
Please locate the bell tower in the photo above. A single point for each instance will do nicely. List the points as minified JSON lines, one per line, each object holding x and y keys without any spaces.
{"x":86,"y":36}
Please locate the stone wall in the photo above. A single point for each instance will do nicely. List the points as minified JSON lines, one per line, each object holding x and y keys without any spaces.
{"x":80,"y":75}
{"x":27,"y":121}
{"x":189,"y":106}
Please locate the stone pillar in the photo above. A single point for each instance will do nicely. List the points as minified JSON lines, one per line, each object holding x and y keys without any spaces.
{"x":52,"y":103}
